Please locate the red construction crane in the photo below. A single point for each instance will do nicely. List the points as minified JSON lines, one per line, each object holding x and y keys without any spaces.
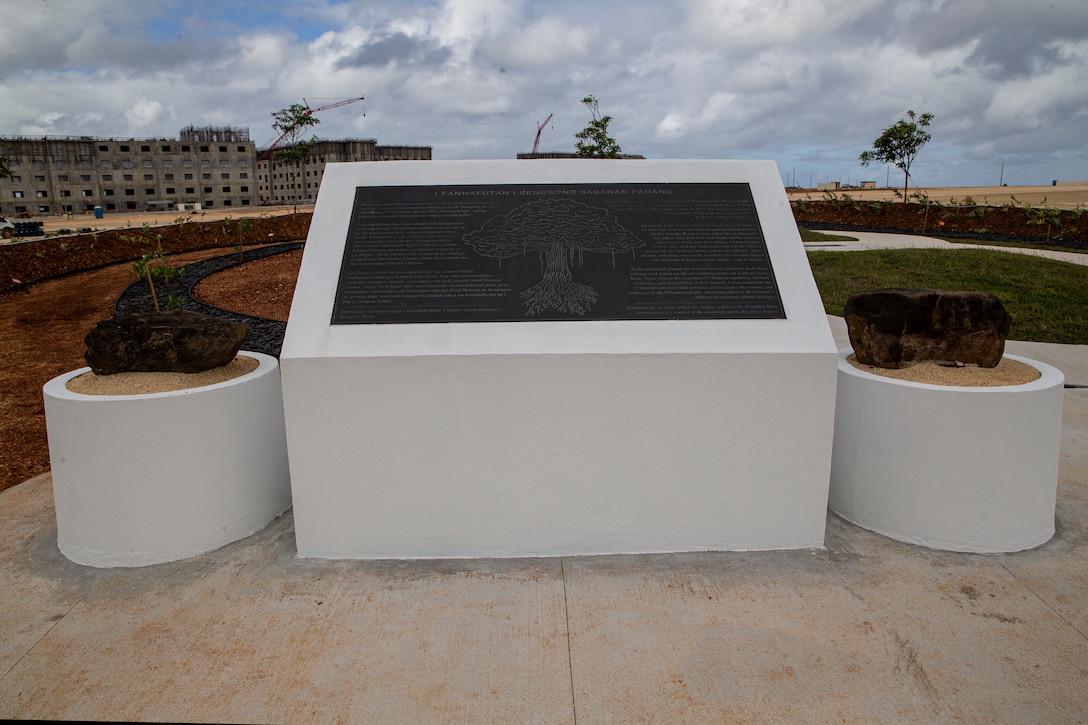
{"x":267,"y":153}
{"x":539,"y":128}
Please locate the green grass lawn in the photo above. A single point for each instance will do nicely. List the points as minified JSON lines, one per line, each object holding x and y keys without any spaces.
{"x":1047,"y":299}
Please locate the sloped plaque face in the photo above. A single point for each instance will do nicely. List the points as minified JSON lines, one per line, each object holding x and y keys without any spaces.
{"x":504,"y":253}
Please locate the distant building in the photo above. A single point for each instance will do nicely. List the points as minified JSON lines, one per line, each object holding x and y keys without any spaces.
{"x":297,"y":182}
{"x":209,"y":167}
{"x":866,"y":184}
{"x":828,"y":186}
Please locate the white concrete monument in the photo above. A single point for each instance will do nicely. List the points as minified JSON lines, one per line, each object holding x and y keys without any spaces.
{"x":537,"y":358}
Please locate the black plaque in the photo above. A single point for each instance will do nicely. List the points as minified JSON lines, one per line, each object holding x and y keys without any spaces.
{"x":502,"y":253}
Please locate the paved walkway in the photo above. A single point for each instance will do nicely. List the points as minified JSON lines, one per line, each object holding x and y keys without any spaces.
{"x":879,"y":240}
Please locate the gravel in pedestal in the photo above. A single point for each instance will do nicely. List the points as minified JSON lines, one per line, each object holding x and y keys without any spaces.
{"x":1007,"y":372}
{"x":143,"y":383}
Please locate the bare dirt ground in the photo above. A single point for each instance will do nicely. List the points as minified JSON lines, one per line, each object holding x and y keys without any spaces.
{"x":42,"y":327}
{"x":136,"y":220}
{"x":1072,"y":196}
{"x":262,"y":288}
{"x":53,"y":291}
{"x":991,"y":214}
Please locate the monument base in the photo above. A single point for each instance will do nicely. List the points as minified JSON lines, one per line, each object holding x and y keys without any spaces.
{"x":674,"y":392}
{"x":545,"y":455}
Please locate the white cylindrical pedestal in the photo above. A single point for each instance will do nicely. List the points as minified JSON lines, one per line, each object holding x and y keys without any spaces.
{"x":145,"y":479}
{"x":960,"y":468}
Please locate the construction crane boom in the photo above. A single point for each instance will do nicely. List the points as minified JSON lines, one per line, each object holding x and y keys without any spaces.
{"x":539,"y":128}
{"x":267,"y":153}
{"x":331,"y":105}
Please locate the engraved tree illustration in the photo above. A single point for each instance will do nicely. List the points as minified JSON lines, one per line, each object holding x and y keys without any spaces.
{"x":559,"y":230}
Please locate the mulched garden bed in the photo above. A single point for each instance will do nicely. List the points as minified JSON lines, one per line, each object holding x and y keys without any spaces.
{"x":1009,"y":223}
{"x":25,"y":263}
{"x":265,"y":335}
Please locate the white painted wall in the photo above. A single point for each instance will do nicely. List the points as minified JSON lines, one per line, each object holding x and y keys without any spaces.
{"x":145,"y":479}
{"x":553,"y":438}
{"x":960,"y":468}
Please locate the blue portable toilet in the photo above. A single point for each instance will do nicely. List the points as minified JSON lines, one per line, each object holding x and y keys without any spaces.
{"x":98,"y":212}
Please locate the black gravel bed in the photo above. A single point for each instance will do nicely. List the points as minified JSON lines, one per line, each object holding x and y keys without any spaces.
{"x":1079,"y":245}
{"x":264,"y":335}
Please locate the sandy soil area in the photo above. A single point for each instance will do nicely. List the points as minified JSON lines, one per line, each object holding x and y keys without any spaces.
{"x":1007,"y":372}
{"x":144,"y":383}
{"x":135,"y":220}
{"x":1058,"y":197}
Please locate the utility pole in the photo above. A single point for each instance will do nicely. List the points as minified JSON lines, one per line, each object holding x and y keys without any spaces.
{"x":1001,"y":178}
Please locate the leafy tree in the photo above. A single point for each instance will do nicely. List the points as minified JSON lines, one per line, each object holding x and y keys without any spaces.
{"x":4,"y":170}
{"x":292,"y":122}
{"x":593,"y":140}
{"x":899,"y":144}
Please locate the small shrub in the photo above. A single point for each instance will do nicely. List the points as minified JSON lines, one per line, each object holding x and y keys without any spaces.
{"x":160,"y":270}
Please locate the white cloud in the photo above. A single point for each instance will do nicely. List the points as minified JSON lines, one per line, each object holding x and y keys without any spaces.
{"x":741,"y":25}
{"x":144,"y":114}
{"x":460,"y":22}
{"x":807,"y":82}
{"x":541,"y":45}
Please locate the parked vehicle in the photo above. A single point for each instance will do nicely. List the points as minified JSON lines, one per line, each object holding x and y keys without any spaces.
{"x":7,"y":229}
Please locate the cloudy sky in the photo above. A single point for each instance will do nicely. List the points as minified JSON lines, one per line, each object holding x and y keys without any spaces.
{"x":806,"y":83}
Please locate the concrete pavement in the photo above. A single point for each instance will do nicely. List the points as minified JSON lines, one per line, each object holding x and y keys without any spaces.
{"x":864,"y":630}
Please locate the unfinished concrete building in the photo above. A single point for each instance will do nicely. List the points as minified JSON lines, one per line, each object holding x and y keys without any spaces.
{"x":296,"y":182}
{"x":206,"y":167}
